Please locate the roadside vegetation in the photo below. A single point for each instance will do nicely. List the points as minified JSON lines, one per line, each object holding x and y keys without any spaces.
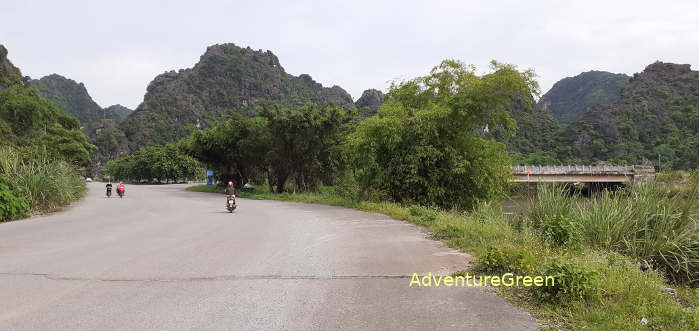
{"x":42,"y":150}
{"x":622,"y":260}
{"x":33,"y":181}
{"x":618,"y":258}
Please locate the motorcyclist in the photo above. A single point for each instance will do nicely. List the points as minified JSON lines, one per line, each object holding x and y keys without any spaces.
{"x":109,"y":188}
{"x":230,"y":190}
{"x":121,"y":187}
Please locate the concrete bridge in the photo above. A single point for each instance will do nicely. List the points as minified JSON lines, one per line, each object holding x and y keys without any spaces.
{"x":582,"y":174}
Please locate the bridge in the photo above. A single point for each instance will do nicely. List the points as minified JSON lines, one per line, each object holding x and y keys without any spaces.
{"x":582,"y":174}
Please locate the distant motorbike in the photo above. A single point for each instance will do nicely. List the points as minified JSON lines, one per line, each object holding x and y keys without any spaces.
{"x":109,"y":192}
{"x":230,"y":203}
{"x":121,"y":191}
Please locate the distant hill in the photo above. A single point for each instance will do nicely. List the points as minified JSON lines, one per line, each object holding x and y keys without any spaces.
{"x":71,"y":97}
{"x":657,"y":113}
{"x":570,"y":97}
{"x":227,"y":78}
{"x":117,"y":112}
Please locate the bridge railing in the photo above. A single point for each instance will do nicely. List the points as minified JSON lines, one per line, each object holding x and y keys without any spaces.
{"x":569,"y":169}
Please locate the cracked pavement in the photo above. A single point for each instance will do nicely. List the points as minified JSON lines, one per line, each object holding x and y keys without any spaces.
{"x":165,"y":258}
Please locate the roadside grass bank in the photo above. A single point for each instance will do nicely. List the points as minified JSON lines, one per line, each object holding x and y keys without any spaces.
{"x":32,"y":182}
{"x":625,"y":260}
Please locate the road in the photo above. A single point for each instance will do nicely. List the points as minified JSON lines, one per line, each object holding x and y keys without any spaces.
{"x":166,"y":258}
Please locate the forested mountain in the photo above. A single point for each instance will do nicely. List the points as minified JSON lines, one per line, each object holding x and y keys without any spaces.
{"x":570,"y":97}
{"x":657,"y":114}
{"x":227,"y":78}
{"x":71,"y":97}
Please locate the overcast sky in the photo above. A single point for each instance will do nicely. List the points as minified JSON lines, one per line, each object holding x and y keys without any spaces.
{"x":117,"y":47}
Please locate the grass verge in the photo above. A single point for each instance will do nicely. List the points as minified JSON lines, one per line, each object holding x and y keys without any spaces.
{"x":601,"y":285}
{"x":43,"y":183}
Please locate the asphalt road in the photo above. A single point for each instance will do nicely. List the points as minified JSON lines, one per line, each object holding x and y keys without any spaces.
{"x":165,"y":258}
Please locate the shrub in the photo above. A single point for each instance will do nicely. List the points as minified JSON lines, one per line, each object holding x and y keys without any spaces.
{"x":560,"y":230}
{"x":506,"y":259}
{"x":493,"y":260}
{"x":12,"y":203}
{"x":571,"y":283}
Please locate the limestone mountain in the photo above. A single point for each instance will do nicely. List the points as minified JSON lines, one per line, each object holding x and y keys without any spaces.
{"x":71,"y":97}
{"x":657,"y":114}
{"x":227,"y":78}
{"x":369,"y":103}
{"x":570,"y":97}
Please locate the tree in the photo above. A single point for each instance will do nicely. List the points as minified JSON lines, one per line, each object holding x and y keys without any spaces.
{"x":302,"y":143}
{"x":235,"y":148}
{"x":422,"y":147}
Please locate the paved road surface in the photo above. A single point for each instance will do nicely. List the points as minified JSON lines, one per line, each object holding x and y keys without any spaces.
{"x":164,"y":258}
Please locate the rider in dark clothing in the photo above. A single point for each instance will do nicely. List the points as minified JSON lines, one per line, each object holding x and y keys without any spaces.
{"x":109,"y":187}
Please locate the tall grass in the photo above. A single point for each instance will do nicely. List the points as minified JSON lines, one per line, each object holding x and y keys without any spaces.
{"x":649,"y":223}
{"x":46,"y":183}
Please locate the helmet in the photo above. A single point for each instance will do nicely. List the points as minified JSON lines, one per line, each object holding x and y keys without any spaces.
{"x":230,"y":183}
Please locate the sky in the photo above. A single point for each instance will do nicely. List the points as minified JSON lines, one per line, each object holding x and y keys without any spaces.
{"x":117,"y":47}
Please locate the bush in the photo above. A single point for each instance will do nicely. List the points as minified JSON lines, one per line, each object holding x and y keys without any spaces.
{"x":506,"y":259}
{"x":571,"y":283}
{"x":12,"y":203}
{"x":560,"y":230}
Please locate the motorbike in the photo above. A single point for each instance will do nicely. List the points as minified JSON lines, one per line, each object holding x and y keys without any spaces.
{"x":230,"y":203}
{"x":120,"y":192}
{"x":109,"y":192}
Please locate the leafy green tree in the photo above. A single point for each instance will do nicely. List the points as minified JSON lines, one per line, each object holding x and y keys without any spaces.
{"x":235,"y":149}
{"x":422,"y":147}
{"x":303,"y":143}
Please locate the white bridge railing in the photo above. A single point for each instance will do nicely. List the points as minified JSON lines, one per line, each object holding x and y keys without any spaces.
{"x":572,"y":169}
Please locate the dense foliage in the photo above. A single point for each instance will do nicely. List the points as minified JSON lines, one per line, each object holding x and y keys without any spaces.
{"x":234,"y":149}
{"x":12,"y":203}
{"x":423,"y":145}
{"x":283,"y":143}
{"x":164,"y":163}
